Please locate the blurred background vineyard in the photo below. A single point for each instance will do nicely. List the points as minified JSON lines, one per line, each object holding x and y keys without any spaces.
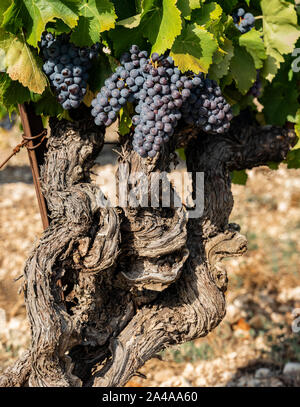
{"x":254,"y":346}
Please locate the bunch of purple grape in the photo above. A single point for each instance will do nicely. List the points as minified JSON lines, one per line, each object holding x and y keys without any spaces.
{"x":243,"y":21}
{"x":206,"y":108}
{"x":162,"y":95}
{"x":164,"y":91}
{"x":120,"y":87}
{"x":158,"y":88}
{"x":66,"y":67}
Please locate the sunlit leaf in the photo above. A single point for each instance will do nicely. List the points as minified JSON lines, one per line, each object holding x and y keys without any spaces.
{"x":170,"y":27}
{"x":96,"y":16}
{"x":22,"y":64}
{"x":193,"y":49}
{"x":33,"y":15}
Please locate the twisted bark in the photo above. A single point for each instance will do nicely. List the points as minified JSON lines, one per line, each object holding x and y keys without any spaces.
{"x":108,"y":288}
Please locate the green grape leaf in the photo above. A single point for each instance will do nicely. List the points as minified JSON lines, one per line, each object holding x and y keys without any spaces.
{"x":208,"y":14}
{"x":125,"y":121}
{"x":12,"y":17}
{"x":22,"y":64}
{"x":280,"y":28}
{"x":211,"y":16}
{"x":270,"y":68}
{"x":243,"y":69}
{"x":96,"y":16}
{"x":220,"y":68}
{"x":170,"y":27}
{"x":12,"y":92}
{"x":143,"y":6}
{"x":255,"y":46}
{"x":122,"y":39}
{"x":4,"y":5}
{"x":59,"y":27}
{"x":193,"y":50}
{"x":239,"y":177}
{"x":280,"y":100}
{"x":187,"y":6}
{"x":35,"y":14}
{"x":47,"y":105}
{"x":150,"y":23}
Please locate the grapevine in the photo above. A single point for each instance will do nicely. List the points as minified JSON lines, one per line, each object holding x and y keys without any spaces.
{"x":113,"y":282}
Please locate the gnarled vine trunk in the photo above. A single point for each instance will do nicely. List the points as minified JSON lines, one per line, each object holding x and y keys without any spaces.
{"x":108,"y":288}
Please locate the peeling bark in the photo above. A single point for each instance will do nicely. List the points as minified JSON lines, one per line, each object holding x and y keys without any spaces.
{"x":108,"y":288}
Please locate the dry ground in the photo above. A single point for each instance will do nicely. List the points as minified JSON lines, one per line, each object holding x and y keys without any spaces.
{"x":253,"y":344}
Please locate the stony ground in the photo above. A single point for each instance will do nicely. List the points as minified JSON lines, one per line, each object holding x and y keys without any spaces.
{"x":255,"y":344}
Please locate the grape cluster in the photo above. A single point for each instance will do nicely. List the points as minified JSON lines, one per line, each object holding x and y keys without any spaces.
{"x":243,"y":21}
{"x":159,"y":102}
{"x":157,"y":87}
{"x":206,"y":108}
{"x":162,"y":95}
{"x":256,"y":89}
{"x":67,"y":67}
{"x":120,"y":87}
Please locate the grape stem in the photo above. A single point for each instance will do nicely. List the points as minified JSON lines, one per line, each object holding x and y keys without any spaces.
{"x":259,"y":17}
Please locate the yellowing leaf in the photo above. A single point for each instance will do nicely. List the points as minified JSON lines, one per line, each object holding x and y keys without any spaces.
{"x":170,"y":27}
{"x":193,"y":49}
{"x":22,"y":64}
